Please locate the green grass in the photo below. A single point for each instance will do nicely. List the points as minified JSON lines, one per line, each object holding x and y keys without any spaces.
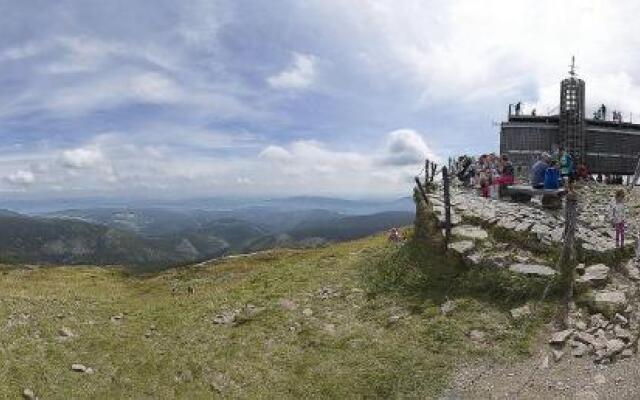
{"x":346,"y":349}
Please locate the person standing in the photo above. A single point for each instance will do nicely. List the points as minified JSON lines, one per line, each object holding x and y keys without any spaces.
{"x":618,"y":216}
{"x":566,"y":165}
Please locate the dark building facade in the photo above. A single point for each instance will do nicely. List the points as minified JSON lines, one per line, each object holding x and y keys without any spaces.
{"x":605,"y":146}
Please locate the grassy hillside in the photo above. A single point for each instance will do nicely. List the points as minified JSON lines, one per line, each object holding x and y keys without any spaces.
{"x":353,"y":320}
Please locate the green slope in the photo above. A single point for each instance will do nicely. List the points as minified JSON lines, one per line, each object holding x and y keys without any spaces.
{"x":300,"y":341}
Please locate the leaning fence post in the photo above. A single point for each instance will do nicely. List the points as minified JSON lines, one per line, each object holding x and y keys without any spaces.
{"x":434,"y":166}
{"x":568,"y":256}
{"x":447,"y":206}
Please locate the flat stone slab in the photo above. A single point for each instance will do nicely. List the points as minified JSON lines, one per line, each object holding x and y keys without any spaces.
{"x":461,"y":247}
{"x":610,"y":302}
{"x":470,"y":232}
{"x":594,"y":275}
{"x":532,"y":269}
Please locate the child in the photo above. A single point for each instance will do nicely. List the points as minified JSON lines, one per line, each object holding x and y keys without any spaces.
{"x":618,"y":212}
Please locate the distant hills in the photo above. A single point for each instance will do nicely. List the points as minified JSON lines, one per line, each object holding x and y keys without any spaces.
{"x":158,"y":237}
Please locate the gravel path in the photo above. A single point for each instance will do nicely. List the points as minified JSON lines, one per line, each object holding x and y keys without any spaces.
{"x":541,"y":378}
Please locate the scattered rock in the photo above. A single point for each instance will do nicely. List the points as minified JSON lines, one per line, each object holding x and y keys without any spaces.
{"x":447,"y":307}
{"x":599,"y":379}
{"x":117,"y":318}
{"x":579,"y":349}
{"x":463,"y":247}
{"x":78,"y":368}
{"x":560,"y":337}
{"x":580,"y":326}
{"x":614,"y":347}
{"x":622,"y":333}
{"x":585,"y":338}
{"x":470,"y":232}
{"x":28,"y":394}
{"x":393,"y":319}
{"x":327,"y":293}
{"x":476,"y":335}
{"x":631,"y":268}
{"x":557,"y":355}
{"x":532,"y":269}
{"x":598,"y":321}
{"x":609,"y":302}
{"x":307,"y":312}
{"x":520,"y":312}
{"x":226,"y":318}
{"x":626,"y":353}
{"x":620,"y":319}
{"x":594,"y":276}
{"x":65,"y":332}
{"x":288,"y":304}
{"x":329,"y":328}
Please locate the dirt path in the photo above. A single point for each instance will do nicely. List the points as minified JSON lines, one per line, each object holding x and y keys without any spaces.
{"x":541,"y":378}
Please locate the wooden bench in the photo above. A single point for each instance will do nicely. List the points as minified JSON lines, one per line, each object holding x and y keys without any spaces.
{"x":551,"y":198}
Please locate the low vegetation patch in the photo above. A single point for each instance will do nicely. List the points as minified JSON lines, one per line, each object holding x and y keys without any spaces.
{"x":361,"y":319}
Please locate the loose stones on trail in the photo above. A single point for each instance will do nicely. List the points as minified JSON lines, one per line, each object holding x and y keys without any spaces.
{"x":532,"y":269}
{"x":559,"y":338}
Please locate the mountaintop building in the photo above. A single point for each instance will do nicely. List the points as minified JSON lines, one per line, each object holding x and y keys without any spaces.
{"x":605,"y":145}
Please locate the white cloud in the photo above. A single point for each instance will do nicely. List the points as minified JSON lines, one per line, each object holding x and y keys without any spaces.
{"x":298,"y":76}
{"x":407,"y":147}
{"x":21,"y":178}
{"x":81,"y":158}
{"x":276,"y":153}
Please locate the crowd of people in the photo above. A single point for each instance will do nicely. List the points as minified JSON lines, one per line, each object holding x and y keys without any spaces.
{"x":489,"y":173}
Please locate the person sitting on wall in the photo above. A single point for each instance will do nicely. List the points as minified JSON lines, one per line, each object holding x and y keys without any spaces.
{"x":582,"y":173}
{"x":538,"y":170}
{"x":552,"y":176}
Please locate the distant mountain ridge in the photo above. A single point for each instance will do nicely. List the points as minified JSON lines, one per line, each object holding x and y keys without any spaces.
{"x":158,"y":237}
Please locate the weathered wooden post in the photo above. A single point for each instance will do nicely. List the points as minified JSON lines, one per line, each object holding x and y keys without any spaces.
{"x":568,"y":256}
{"x":426,"y":173}
{"x":434,"y":166}
{"x":447,"y":206}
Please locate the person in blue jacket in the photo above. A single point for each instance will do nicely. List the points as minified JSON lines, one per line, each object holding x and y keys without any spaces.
{"x":538,"y":170}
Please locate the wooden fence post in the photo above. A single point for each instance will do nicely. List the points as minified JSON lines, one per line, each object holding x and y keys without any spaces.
{"x":434,"y":166}
{"x":568,"y":256}
{"x":426,"y":173}
{"x":447,"y":206}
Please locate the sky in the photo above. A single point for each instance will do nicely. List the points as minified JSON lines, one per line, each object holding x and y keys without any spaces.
{"x":344,"y":98}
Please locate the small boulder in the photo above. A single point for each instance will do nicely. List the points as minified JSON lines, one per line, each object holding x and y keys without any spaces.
{"x":520,"y":312}
{"x":609,"y":302}
{"x":307,"y":312}
{"x":28,"y":394}
{"x":559,"y":338}
{"x":631,"y":269}
{"x":288,"y":304}
{"x":476,"y":335}
{"x":614,"y":347}
{"x":579,"y":349}
{"x":462,"y":247}
{"x":470,"y":232}
{"x":65,"y":332}
{"x":594,"y":276}
{"x":447,"y":307}
{"x":585,"y":338}
{"x":532,"y":269}
{"x":557,"y":355}
{"x":626,"y":353}
{"x":78,"y":368}
{"x":622,"y":333}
